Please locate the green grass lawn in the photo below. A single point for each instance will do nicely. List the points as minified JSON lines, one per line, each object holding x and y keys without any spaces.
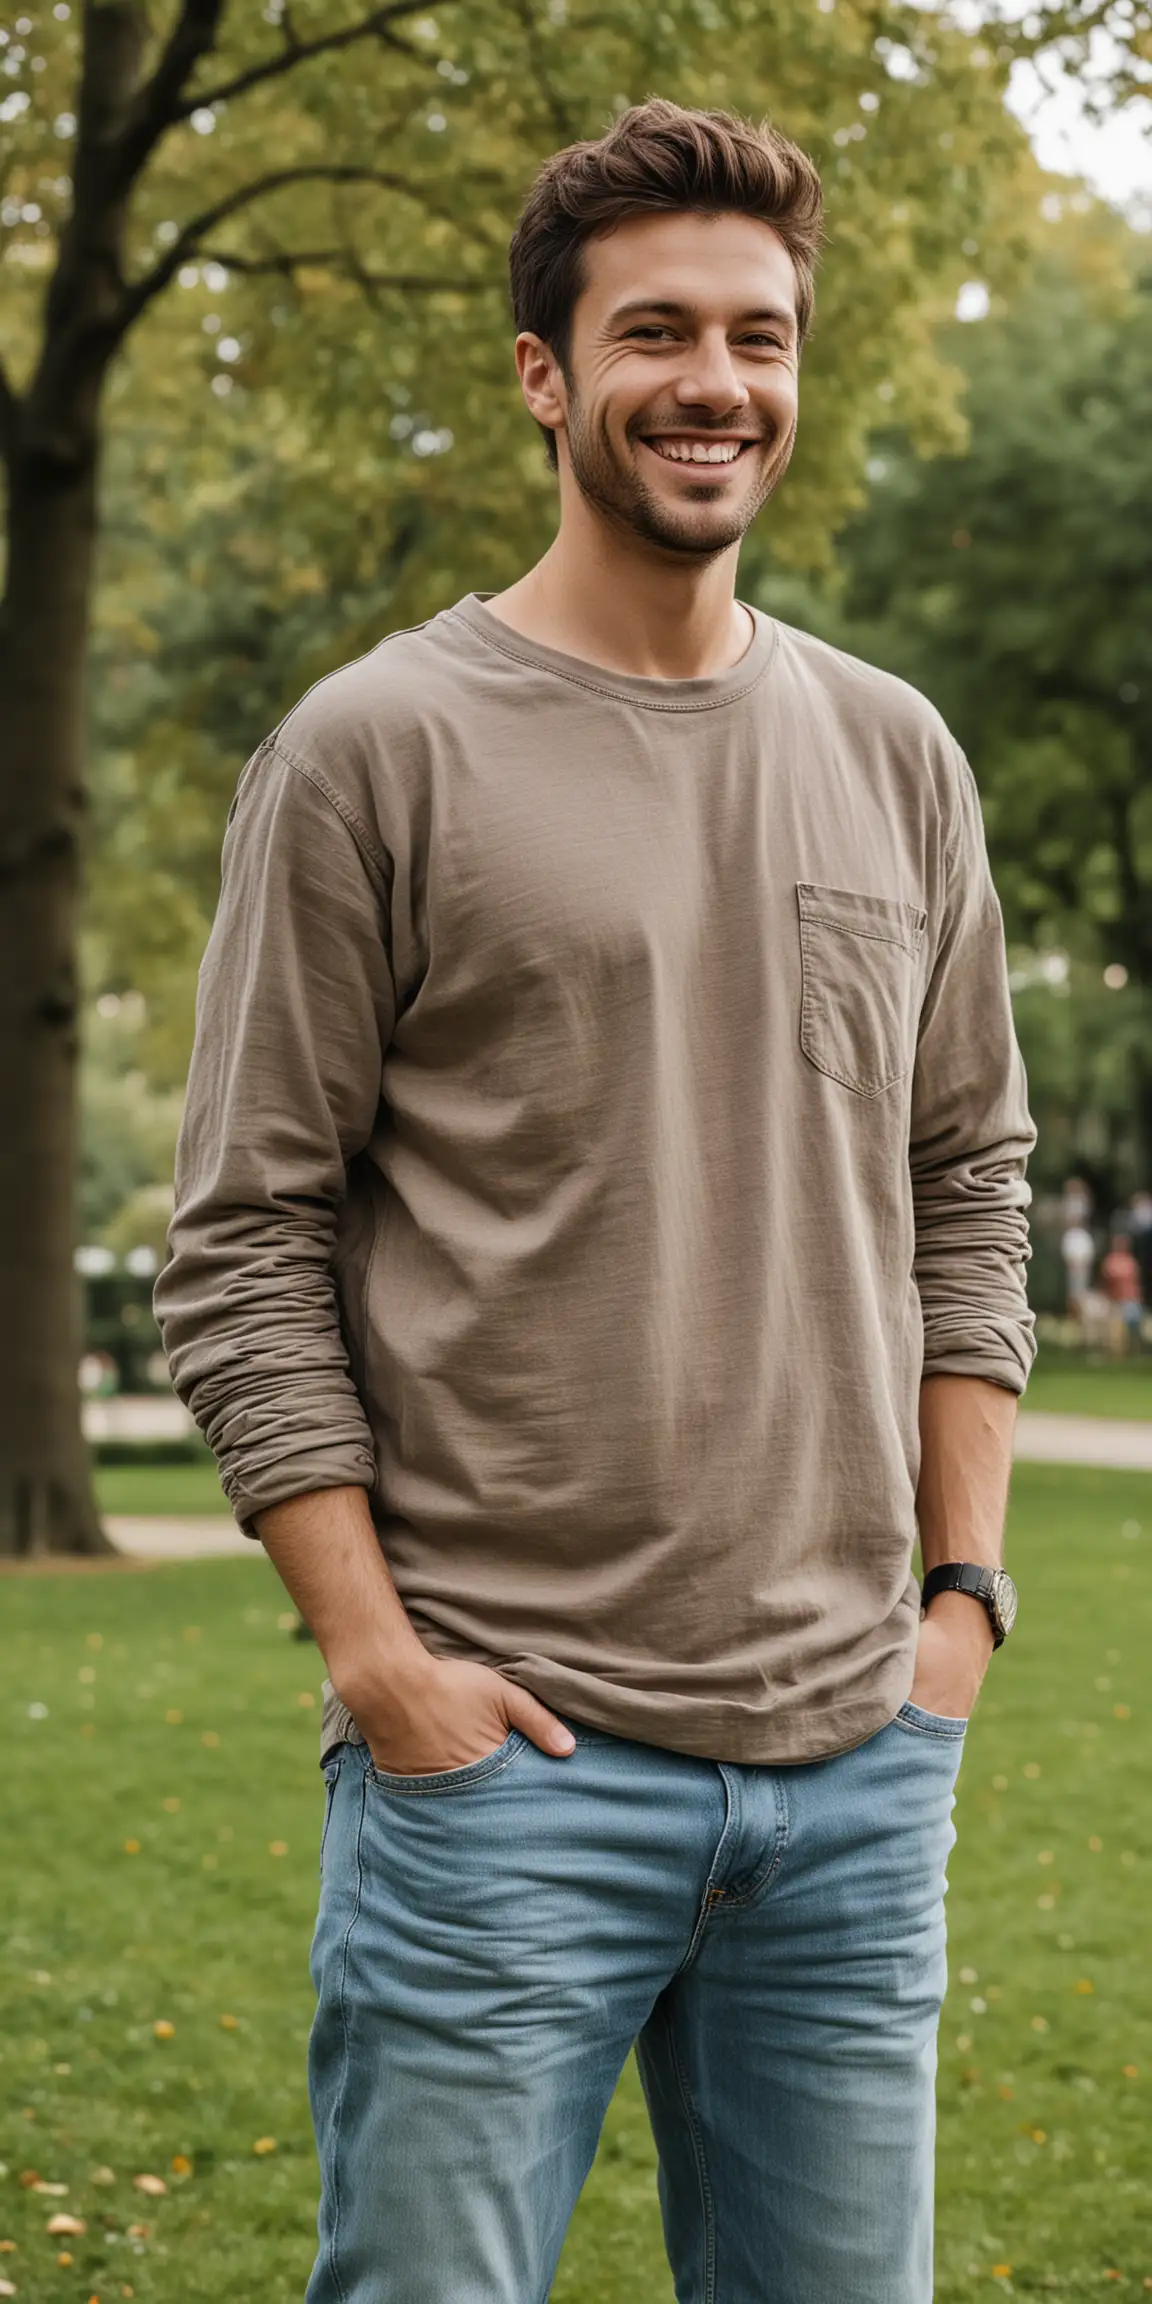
{"x":161,"y":1816}
{"x":1067,"y":1385}
{"x":162,"y":1490}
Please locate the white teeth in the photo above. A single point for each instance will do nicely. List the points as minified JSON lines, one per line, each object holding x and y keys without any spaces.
{"x":698,"y":451}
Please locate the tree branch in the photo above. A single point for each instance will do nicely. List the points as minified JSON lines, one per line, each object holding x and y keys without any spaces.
{"x":289,"y":261}
{"x":158,"y":104}
{"x":296,"y":52}
{"x":559,"y":117}
{"x":190,"y":241}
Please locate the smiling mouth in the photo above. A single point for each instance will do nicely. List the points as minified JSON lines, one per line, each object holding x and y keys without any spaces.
{"x":675,"y":448}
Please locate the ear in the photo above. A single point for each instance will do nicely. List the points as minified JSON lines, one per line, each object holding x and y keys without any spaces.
{"x":541,"y":381}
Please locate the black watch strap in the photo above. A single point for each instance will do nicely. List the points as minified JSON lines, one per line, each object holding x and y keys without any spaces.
{"x":965,"y":1576}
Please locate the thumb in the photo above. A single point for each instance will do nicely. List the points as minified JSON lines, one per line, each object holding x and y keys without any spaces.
{"x":540,"y":1726}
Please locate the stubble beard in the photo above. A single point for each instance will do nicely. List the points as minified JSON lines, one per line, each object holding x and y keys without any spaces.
{"x":617,"y":491}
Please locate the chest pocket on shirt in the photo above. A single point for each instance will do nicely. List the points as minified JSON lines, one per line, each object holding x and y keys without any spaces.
{"x":859,"y":998}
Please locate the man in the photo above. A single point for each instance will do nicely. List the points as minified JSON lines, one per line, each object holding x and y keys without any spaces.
{"x":1120,"y":1274}
{"x":600,"y":1235}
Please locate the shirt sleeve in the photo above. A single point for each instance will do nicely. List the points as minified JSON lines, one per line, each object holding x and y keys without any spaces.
{"x":971,"y":1133}
{"x":295,"y":1007}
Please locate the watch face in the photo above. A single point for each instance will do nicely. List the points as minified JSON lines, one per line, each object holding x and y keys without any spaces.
{"x":1005,"y":1601}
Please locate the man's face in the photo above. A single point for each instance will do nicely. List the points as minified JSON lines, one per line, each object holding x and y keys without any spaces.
{"x":681,"y":396}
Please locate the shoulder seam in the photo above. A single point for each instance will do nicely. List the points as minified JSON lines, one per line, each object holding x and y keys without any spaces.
{"x":372,"y":854}
{"x":967,"y":779}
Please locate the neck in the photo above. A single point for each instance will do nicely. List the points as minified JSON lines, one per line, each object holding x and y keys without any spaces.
{"x":602,"y":594}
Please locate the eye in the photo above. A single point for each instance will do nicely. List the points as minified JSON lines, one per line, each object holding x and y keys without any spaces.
{"x":650,"y":333}
{"x":775,"y":343}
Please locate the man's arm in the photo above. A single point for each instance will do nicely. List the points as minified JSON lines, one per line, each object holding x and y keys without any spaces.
{"x":294,"y":1012}
{"x":420,"y":1713}
{"x":970,"y":1137}
{"x":966,"y":1428}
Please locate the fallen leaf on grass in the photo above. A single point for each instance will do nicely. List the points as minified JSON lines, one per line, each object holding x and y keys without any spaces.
{"x":139,"y":2231}
{"x":6,"y":2288}
{"x":264,"y":2144}
{"x":102,"y":2176}
{"x":57,"y":2191}
{"x":65,"y":2258}
{"x":229,"y":2023}
{"x":180,"y":2164}
{"x":28,"y":2177}
{"x":277,"y":1847}
{"x":65,"y":2227}
{"x":163,"y":2029}
{"x":173,"y":1718}
{"x":154,"y":2185}
{"x":210,"y":1738}
{"x":1131,"y":2071}
{"x":131,"y":1847}
{"x":1085,"y":1984}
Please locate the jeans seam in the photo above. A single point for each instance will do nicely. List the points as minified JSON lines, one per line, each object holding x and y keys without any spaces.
{"x":342,"y":2002}
{"x":442,"y":1786}
{"x":762,"y":1881}
{"x":696,"y":2134}
{"x":711,"y":1896}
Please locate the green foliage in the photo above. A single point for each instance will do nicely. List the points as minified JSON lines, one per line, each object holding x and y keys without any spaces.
{"x":1084,"y":1046}
{"x":128,"y":1130}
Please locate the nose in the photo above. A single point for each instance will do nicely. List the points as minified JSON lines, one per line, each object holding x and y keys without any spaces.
{"x":709,"y":379}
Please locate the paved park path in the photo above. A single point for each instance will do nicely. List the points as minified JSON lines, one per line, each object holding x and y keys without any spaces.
{"x":1119,"y":1446}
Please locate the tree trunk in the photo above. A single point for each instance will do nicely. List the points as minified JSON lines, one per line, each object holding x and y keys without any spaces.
{"x":46,"y":1498}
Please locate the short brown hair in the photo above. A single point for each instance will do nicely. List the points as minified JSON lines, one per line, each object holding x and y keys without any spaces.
{"x":657,"y":158}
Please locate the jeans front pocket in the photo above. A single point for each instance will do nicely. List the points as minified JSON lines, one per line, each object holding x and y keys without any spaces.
{"x":860,"y":977}
{"x":449,"y":1780}
{"x":916,"y":1721}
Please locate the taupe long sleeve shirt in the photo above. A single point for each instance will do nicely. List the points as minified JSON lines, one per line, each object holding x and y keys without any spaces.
{"x":605,"y":1106}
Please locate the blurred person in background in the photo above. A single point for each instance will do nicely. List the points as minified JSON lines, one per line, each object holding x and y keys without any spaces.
{"x":1076,"y":1201}
{"x":1120,"y":1274}
{"x":1139,"y":1227}
{"x":599,"y":1249}
{"x":1078,"y":1249}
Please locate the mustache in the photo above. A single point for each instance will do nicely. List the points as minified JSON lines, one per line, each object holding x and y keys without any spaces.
{"x":651,"y":424}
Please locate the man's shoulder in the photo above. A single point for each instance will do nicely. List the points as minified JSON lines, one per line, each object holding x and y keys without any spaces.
{"x":373,"y":701}
{"x":866,"y":696}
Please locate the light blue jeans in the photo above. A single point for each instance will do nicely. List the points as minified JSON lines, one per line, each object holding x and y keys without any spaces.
{"x":492,"y":1942}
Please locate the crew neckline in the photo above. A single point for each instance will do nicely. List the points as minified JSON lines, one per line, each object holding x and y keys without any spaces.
{"x":655,"y":695}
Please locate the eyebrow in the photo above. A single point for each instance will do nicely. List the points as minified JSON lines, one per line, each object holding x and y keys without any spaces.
{"x":672,"y":310}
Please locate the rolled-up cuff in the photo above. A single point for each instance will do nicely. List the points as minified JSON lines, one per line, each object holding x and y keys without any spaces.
{"x":996,"y":1368}
{"x":300,"y":1475}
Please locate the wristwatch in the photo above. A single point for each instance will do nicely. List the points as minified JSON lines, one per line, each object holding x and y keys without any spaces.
{"x":993,"y":1587}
